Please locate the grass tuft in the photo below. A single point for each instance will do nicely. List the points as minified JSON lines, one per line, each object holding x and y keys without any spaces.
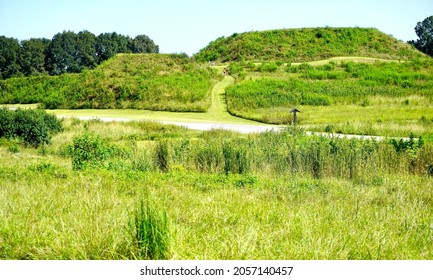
{"x":152,"y":233}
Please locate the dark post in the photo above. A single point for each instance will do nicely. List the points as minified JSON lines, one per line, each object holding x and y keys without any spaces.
{"x":294,"y":111}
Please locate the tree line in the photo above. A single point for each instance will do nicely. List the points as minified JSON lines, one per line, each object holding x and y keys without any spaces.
{"x":66,"y":52}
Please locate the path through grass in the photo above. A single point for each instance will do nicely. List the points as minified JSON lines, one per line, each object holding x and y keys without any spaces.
{"x":217,"y":112}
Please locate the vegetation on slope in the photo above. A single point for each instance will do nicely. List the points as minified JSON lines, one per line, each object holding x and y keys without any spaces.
{"x":269,"y":96}
{"x":140,"y":81}
{"x":306,"y":44}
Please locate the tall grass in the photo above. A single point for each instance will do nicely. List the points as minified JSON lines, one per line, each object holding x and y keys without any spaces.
{"x":152,"y":233}
{"x":225,"y":196}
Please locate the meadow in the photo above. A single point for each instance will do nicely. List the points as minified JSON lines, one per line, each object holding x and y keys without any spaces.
{"x":141,"y":190}
{"x":339,"y":96}
{"x":75,"y":189}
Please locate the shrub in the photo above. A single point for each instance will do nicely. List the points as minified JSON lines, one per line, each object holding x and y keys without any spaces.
{"x":268,"y":67}
{"x":7,"y":129}
{"x":407,"y":145}
{"x":34,"y":127}
{"x":88,"y":150}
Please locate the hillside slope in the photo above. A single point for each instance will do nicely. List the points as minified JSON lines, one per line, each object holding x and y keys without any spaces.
{"x":306,"y":44}
{"x":139,"y":81}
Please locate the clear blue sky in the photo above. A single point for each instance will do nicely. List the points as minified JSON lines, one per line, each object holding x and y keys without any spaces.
{"x":189,"y":25}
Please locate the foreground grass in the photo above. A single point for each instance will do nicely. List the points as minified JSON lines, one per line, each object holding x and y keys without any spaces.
{"x":50,"y":211}
{"x":60,"y":214}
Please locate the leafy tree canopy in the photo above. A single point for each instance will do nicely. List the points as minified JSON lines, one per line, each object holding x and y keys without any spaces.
{"x":66,"y":52}
{"x":9,"y":50}
{"x":424,"y":30}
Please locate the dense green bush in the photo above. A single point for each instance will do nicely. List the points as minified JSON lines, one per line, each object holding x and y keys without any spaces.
{"x":34,"y":127}
{"x":89,"y":150}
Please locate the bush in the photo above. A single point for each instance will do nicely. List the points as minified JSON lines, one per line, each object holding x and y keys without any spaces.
{"x":268,"y":67}
{"x":7,"y":123}
{"x":88,"y":150}
{"x":34,"y":127}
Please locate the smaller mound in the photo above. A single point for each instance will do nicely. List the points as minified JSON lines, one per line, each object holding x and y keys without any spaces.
{"x":306,"y":44}
{"x":138,"y":81}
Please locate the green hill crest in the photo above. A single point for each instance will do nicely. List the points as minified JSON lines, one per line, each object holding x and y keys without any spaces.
{"x":306,"y":44}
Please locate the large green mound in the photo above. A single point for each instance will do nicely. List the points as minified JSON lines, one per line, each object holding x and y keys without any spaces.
{"x":306,"y":44}
{"x":140,"y":81}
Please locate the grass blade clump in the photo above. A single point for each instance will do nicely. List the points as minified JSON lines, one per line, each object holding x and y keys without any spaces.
{"x":235,"y":158}
{"x":152,"y":233}
{"x":162,"y":156}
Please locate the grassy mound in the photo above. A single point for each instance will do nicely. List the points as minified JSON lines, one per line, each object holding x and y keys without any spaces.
{"x":306,"y":44}
{"x":375,"y":94}
{"x":149,"y":81}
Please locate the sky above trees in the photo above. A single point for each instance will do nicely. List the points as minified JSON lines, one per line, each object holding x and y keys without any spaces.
{"x":189,"y":25}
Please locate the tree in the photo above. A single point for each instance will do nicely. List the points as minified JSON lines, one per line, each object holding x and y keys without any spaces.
{"x":61,"y":54}
{"x":67,"y":52}
{"x":86,"y":52}
{"x":32,"y":56}
{"x":143,"y":44}
{"x":109,"y":44}
{"x":424,"y":30}
{"x":9,"y":52}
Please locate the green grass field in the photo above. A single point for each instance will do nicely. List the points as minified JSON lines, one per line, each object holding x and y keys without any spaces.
{"x":144,"y":190}
{"x":286,"y":196}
